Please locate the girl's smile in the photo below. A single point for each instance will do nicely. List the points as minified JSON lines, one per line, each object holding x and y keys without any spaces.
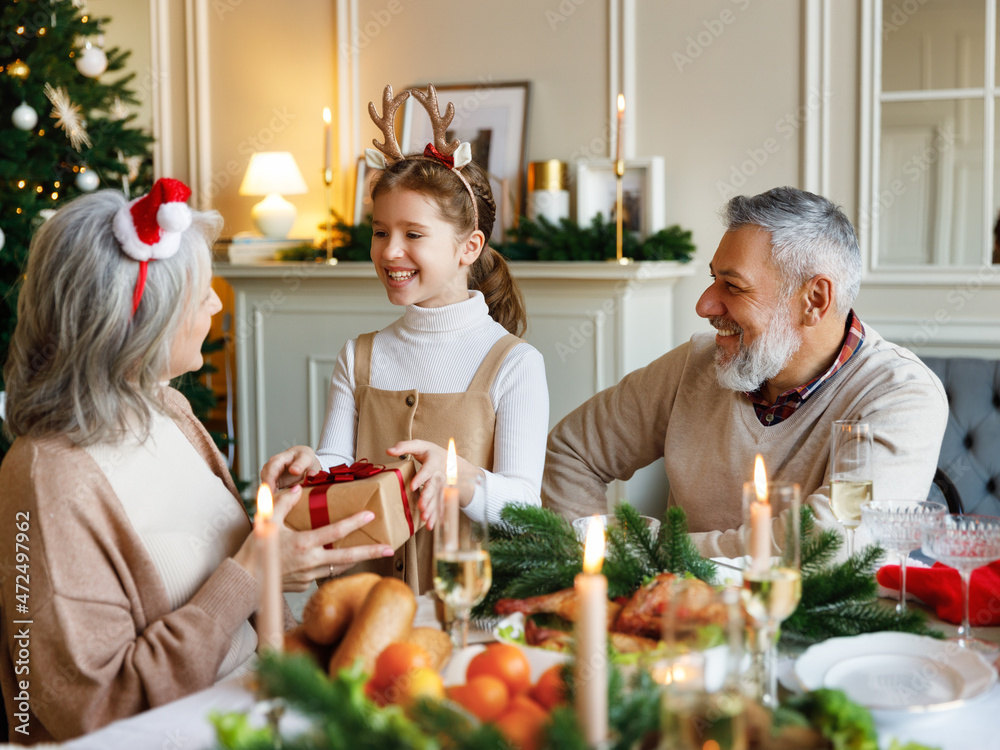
{"x":415,"y":251}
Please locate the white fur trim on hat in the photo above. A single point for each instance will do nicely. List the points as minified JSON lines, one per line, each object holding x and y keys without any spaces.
{"x":164,"y":215}
{"x":173,"y":217}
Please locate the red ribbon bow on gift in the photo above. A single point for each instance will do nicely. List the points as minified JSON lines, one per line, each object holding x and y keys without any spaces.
{"x":343,"y":473}
{"x":319,"y":512}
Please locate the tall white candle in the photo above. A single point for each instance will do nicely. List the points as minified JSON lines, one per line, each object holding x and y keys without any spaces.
{"x":450,"y":510}
{"x":620,"y":147}
{"x":270,"y":615}
{"x":760,"y":520}
{"x":591,"y":639}
{"x":327,"y":140}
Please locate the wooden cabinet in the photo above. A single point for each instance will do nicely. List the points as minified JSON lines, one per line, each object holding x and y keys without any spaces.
{"x":593,"y":323}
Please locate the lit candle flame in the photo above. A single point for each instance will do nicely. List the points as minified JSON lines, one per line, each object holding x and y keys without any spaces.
{"x":621,"y":102}
{"x":760,"y":479}
{"x":451,"y":465}
{"x":326,"y":115}
{"x":593,"y":550}
{"x":265,"y":503}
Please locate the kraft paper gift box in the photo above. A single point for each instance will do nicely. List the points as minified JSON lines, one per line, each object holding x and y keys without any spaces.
{"x":333,"y":495}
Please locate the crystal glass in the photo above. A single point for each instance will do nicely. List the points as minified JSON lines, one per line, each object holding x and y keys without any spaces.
{"x":462,"y":570}
{"x":964,"y":543}
{"x":896,"y":524}
{"x":772,"y":577}
{"x":850,"y":473}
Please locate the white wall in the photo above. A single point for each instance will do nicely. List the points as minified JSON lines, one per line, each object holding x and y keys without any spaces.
{"x":720,"y":94}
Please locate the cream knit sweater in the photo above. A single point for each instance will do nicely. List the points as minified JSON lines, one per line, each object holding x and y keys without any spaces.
{"x":438,"y":350}
{"x":708,"y":436}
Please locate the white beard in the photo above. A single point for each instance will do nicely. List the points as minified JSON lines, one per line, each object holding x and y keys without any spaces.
{"x":763,"y":359}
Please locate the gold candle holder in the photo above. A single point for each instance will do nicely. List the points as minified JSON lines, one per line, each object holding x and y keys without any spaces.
{"x":619,"y":219}
{"x":328,"y":195}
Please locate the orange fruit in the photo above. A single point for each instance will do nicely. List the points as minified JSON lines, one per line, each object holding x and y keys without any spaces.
{"x":522,"y":726}
{"x":398,"y":660}
{"x":423,"y":682}
{"x":504,"y":661}
{"x":527,"y":705}
{"x":484,"y":696}
{"x":550,"y":690}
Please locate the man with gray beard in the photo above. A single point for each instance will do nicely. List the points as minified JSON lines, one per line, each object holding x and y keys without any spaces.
{"x":789,"y":357}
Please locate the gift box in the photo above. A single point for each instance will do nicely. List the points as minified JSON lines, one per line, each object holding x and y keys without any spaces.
{"x":344,"y":490}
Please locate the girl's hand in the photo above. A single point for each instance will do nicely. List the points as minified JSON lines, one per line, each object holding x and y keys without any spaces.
{"x":290,"y":467}
{"x":433,"y":459}
{"x":303,"y":558}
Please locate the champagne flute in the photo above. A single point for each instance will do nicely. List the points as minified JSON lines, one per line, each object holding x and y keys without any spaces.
{"x":772,"y":577}
{"x":964,"y":543}
{"x":462,"y":570}
{"x":850,"y":473}
{"x":896,"y":524}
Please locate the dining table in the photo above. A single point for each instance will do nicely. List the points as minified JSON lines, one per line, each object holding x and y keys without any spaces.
{"x":184,"y":724}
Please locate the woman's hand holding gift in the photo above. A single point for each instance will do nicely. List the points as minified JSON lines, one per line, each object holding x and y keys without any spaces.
{"x":290,"y":467}
{"x":303,"y":557}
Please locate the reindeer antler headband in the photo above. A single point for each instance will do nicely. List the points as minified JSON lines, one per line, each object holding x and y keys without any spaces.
{"x":454,"y":155}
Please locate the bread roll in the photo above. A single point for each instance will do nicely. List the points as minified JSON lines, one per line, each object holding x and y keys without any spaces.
{"x":297,"y":642}
{"x":385,"y":617}
{"x":435,"y":642}
{"x":330,"y":609}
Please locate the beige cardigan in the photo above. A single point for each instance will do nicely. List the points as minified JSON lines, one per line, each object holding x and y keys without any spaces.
{"x":101,"y":641}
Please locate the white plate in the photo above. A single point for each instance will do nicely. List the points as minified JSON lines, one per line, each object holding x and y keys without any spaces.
{"x":896,"y":672}
{"x":538,"y":658}
{"x":729,"y":571}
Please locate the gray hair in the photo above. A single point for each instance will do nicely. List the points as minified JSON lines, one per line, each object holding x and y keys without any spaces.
{"x":809,"y":235}
{"x":80,"y":364}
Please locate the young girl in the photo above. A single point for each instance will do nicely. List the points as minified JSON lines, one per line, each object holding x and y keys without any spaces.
{"x":452,"y":366}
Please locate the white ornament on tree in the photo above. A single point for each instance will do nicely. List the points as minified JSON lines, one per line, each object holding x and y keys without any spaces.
{"x":91,"y":61}
{"x":87,"y":180}
{"x":24,"y":117}
{"x":3,"y":239}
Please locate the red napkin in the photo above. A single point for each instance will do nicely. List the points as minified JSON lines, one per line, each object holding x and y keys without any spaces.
{"x":941,"y":588}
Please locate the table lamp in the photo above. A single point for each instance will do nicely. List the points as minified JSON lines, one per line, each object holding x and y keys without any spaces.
{"x":273,"y":174}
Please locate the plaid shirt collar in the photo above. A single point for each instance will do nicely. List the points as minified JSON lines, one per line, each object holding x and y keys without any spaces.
{"x":786,"y":404}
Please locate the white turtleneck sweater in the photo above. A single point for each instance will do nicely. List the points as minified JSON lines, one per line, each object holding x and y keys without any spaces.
{"x":438,"y":350}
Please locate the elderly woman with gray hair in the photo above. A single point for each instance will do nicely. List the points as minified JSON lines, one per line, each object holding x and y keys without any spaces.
{"x":130,"y":577}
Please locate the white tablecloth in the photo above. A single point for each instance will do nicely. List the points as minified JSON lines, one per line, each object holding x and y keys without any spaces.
{"x":184,"y":725}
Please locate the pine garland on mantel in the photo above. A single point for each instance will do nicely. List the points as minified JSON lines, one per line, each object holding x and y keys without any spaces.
{"x":539,"y":240}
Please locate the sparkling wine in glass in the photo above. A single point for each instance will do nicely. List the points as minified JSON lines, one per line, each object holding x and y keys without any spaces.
{"x":772,"y":577}
{"x":463,"y":573}
{"x":850,"y":473}
{"x":896,"y":524}
{"x":964,"y":543}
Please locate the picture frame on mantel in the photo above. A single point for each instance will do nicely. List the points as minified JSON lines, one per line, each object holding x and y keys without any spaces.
{"x":363,"y":191}
{"x":493,"y":117}
{"x":643,"y":204}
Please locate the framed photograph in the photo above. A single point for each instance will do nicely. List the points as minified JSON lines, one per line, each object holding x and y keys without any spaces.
{"x":493,"y":117}
{"x":643,"y":209}
{"x":362,"y":191}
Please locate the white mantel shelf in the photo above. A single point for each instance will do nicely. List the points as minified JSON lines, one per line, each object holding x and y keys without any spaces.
{"x":593,"y":322}
{"x":577,"y":270}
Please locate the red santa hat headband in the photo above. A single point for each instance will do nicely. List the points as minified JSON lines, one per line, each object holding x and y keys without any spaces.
{"x":453,"y":155}
{"x":150,"y":227}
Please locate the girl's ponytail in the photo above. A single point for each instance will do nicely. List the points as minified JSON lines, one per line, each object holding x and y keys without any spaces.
{"x":491,"y":275}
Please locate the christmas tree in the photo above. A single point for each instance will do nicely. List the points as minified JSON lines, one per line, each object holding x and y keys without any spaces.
{"x":65,"y":129}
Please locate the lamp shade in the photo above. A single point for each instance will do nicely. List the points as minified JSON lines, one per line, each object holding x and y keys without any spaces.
{"x":272,"y":172}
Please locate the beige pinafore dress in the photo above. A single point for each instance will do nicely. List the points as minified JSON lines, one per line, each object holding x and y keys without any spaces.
{"x":387,"y":417}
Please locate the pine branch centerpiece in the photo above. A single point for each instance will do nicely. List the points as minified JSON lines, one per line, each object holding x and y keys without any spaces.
{"x":535,"y":552}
